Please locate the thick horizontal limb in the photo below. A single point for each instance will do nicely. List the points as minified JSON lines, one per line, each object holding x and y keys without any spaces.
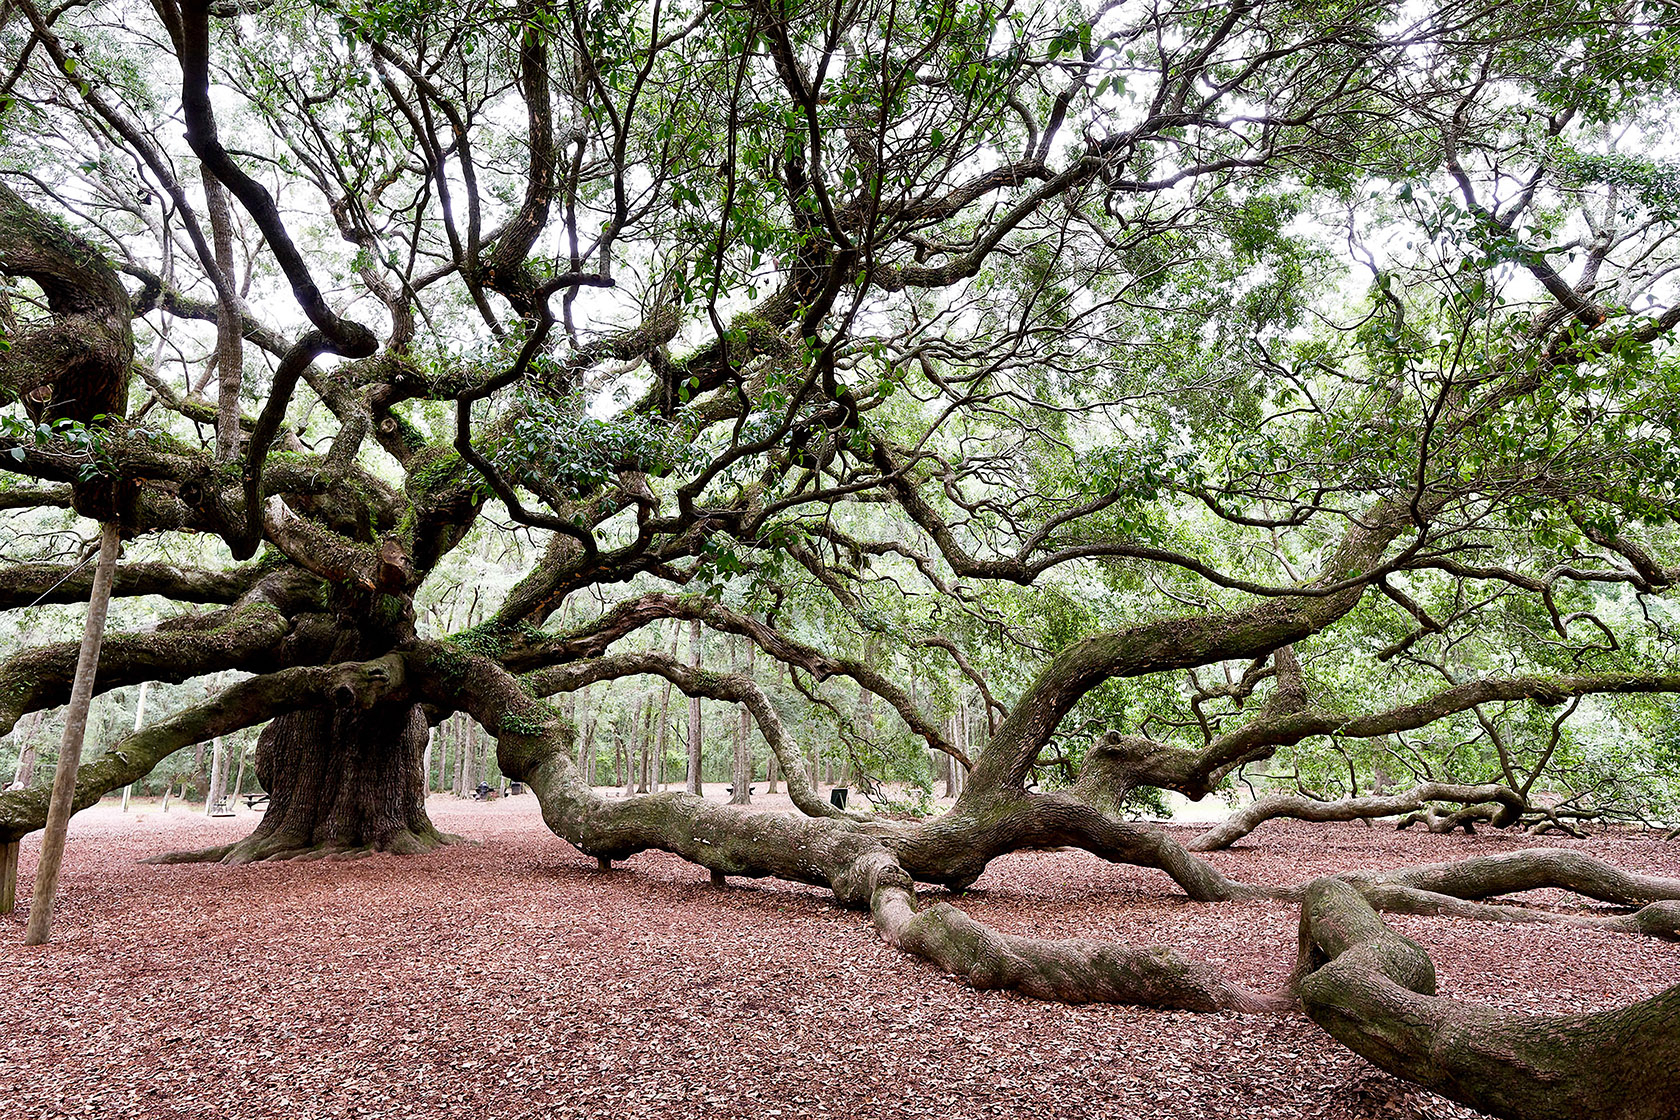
{"x":242,"y":637}
{"x":241,"y":705}
{"x":1526,"y":870}
{"x":25,"y":585}
{"x":35,"y":497}
{"x":1071,"y":970}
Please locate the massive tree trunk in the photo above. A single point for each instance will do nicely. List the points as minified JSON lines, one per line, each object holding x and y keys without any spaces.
{"x":340,"y":782}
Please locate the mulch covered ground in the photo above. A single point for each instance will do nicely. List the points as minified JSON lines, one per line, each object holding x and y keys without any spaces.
{"x":510,"y":979}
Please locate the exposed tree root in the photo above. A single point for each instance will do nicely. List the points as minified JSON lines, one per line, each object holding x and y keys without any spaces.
{"x":1509,"y":807}
{"x":1373,"y":990}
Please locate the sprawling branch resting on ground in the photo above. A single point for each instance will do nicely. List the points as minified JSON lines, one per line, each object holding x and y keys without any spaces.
{"x":245,"y":704}
{"x":1075,"y":970}
{"x":858,"y":861}
{"x":875,"y":864}
{"x":1301,"y":807}
{"x":1374,"y":990}
{"x":1526,"y":870}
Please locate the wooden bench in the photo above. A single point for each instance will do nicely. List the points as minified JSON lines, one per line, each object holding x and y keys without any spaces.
{"x":252,"y":800}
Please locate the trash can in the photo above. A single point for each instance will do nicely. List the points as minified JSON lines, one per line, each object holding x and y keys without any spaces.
{"x":837,"y":796}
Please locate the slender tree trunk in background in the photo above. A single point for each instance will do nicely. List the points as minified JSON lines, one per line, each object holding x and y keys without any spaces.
{"x":644,"y":732}
{"x":944,"y":761}
{"x":454,"y":757}
{"x":59,"y":809}
{"x":25,"y":775}
{"x":24,"y":735}
{"x":469,"y":760}
{"x":425,"y":762}
{"x":633,"y":725}
{"x":218,"y":776}
{"x":958,"y":774}
{"x":695,"y":782}
{"x":744,"y":747}
{"x":168,"y":788}
{"x":139,"y":719}
{"x":239,"y":775}
{"x":449,"y":777}
{"x":618,"y":753}
{"x":947,"y":763}
{"x":665,"y":720}
{"x":586,"y":738}
{"x":459,"y":784}
{"x":8,"y":875}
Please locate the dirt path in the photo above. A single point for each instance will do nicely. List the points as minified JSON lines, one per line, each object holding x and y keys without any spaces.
{"x":510,"y":979}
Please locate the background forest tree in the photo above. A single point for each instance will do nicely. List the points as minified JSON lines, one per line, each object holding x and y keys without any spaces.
{"x":1114,"y":400}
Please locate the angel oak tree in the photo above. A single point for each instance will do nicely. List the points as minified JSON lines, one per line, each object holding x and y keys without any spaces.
{"x":1322,"y":353}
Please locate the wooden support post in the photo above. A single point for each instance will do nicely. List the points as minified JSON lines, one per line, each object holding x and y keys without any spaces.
{"x":60,"y":805}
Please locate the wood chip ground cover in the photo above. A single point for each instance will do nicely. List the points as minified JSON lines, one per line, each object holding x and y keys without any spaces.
{"x":509,"y":978}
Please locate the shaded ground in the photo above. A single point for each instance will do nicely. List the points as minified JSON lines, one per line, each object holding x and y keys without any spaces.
{"x":510,"y":979}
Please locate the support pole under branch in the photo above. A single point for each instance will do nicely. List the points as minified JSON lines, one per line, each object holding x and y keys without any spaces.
{"x":60,"y":806}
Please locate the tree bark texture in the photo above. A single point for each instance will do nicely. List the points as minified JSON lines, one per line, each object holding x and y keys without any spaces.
{"x":1374,"y":991}
{"x":341,"y":782}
